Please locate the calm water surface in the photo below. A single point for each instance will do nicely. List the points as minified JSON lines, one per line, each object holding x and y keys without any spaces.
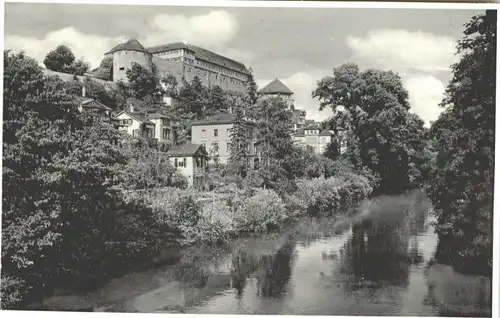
{"x":378,"y":265}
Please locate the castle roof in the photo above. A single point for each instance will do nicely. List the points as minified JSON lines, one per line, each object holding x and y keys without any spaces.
{"x":276,"y":87}
{"x":202,"y":54}
{"x":130,"y":45}
{"x":187,"y":150}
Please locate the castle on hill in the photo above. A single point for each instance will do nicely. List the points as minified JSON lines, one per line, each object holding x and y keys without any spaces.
{"x":182,"y":60}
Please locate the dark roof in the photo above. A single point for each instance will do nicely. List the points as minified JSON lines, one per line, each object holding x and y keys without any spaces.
{"x":276,"y":87}
{"x":202,"y":54}
{"x":130,"y":45}
{"x":220,"y":119}
{"x":187,"y":150}
{"x":137,"y":116}
{"x":92,"y":103}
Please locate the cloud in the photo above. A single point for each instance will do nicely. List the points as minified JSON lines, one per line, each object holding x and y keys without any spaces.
{"x":212,"y":30}
{"x":426,"y":92}
{"x":89,"y":46}
{"x":302,"y":84}
{"x":405,"y":51}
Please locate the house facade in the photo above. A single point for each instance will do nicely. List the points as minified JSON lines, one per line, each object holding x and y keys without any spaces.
{"x":191,"y":160}
{"x":152,"y":126}
{"x":215,"y":136}
{"x":314,"y":137}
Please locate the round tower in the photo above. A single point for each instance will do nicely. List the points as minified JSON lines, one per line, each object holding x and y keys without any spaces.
{"x":127,"y":53}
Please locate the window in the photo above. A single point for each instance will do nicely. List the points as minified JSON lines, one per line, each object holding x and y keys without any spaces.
{"x":165,"y":122}
{"x":216,"y":132}
{"x":203,"y":133}
{"x":228,"y":131}
{"x":176,"y":163}
{"x":228,"y":147}
{"x":122,"y":68}
{"x":135,"y":132}
{"x":166,"y":134}
{"x":215,"y":146}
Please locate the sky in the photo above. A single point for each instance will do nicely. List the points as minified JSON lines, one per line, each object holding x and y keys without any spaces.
{"x":297,"y":45}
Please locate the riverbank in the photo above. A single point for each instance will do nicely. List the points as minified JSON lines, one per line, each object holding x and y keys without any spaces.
{"x":311,"y":267}
{"x":232,"y":213}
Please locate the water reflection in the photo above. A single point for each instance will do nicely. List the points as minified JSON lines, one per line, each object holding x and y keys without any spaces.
{"x":377,"y":266}
{"x":271,"y":271}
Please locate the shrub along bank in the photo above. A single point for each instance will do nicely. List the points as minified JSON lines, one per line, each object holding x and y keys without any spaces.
{"x":216,"y":217}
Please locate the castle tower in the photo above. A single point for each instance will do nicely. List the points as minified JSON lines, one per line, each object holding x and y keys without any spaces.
{"x":127,"y":53}
{"x":277,"y":89}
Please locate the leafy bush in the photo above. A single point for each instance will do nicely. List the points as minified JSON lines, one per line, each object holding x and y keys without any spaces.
{"x":322,"y":197}
{"x":216,"y":224}
{"x":12,"y":291}
{"x":261,"y":212}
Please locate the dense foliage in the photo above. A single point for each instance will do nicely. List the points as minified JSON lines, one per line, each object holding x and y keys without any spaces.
{"x":62,"y":220}
{"x":382,"y":134}
{"x":63,"y":60}
{"x":464,"y":139}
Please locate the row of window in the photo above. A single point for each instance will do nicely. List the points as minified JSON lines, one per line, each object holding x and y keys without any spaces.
{"x":200,"y":162}
{"x":215,"y":147}
{"x":223,"y":78}
{"x":180,"y":163}
{"x":216,"y":132}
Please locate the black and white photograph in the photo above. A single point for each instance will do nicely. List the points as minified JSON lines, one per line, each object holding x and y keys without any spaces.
{"x":249,"y":158}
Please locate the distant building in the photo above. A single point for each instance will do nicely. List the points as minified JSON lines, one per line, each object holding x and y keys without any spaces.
{"x":298,"y":119}
{"x":277,"y":89}
{"x":94,"y":107}
{"x":191,"y":160}
{"x":183,"y":61}
{"x":215,"y":136}
{"x":314,"y":137}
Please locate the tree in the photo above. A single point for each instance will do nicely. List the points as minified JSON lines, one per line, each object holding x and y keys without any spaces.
{"x":62,"y":219}
{"x":62,"y":60}
{"x":192,"y":99}
{"x":142,"y":83}
{"x":217,"y":101}
{"x":274,"y":129}
{"x":382,"y":135}
{"x":59,"y":59}
{"x":461,"y":181}
{"x":252,"y":93}
{"x":239,"y":140}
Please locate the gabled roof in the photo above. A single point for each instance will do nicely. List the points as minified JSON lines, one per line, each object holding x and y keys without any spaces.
{"x":276,"y":87}
{"x":130,"y":45}
{"x":92,"y":103}
{"x":187,"y":150}
{"x":137,"y":116}
{"x":202,"y":54}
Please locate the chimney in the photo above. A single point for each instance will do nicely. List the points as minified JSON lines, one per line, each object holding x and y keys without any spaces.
{"x":84,"y":93}
{"x":131,"y":107}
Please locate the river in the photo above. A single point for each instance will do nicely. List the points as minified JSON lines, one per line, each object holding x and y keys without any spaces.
{"x":377,"y":264}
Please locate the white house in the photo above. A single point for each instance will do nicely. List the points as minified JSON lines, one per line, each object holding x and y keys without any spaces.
{"x":191,"y":160}
{"x":135,"y":124}
{"x":146,"y":125}
{"x":315,"y":137}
